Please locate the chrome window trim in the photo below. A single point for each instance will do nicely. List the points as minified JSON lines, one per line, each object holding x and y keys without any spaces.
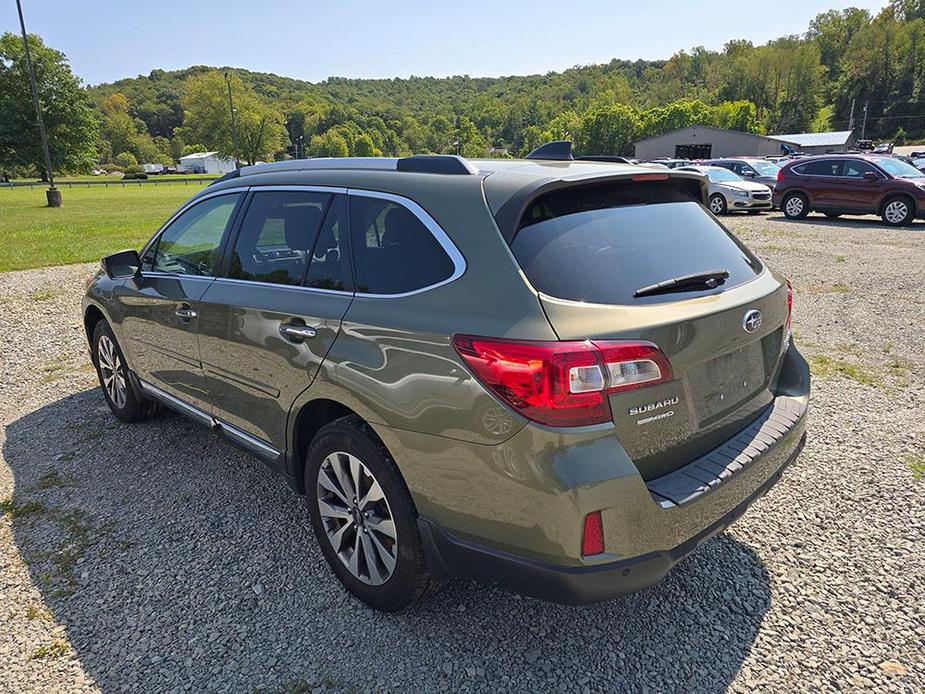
{"x":235,"y":280}
{"x":459,"y":262}
{"x":446,"y":243}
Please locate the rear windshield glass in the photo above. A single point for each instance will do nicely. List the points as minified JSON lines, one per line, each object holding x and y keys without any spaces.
{"x":601,"y":243}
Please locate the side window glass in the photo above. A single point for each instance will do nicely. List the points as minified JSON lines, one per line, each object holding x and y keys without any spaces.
{"x":857,"y":169}
{"x":825,"y":167}
{"x":277,"y":235}
{"x":394,"y":252}
{"x":330,"y":262}
{"x":189,"y":246}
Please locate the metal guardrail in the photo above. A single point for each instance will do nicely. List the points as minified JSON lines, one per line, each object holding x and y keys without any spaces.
{"x":112,"y":182}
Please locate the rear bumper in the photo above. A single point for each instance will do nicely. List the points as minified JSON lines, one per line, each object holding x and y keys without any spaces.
{"x":648,"y":526}
{"x":455,"y":556}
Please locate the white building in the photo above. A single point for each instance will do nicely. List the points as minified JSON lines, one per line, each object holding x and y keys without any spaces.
{"x":205,"y":162}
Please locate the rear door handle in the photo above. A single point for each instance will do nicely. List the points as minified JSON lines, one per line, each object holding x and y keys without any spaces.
{"x":184,"y":312}
{"x":297,"y":333}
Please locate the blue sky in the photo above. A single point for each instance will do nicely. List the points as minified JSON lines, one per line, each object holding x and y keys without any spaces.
{"x":109,"y":39}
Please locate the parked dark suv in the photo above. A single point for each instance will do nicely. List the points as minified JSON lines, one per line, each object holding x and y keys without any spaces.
{"x":851,"y":184}
{"x":561,"y":376}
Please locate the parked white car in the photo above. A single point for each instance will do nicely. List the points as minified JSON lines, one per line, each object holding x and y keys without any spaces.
{"x":729,"y":192}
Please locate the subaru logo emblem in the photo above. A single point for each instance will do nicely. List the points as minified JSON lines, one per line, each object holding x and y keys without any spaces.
{"x":751,"y":321}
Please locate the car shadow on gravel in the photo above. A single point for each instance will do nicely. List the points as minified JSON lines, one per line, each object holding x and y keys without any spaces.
{"x":175,"y":561}
{"x":855,"y":222}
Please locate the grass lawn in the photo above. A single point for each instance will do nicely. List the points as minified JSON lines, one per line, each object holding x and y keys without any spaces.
{"x":93,"y":222}
{"x":165,"y":178}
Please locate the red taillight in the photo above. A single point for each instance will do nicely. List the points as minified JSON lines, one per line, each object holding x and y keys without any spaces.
{"x":592,"y":536}
{"x":651,"y":177}
{"x":789,"y":303}
{"x":562,"y":383}
{"x":780,"y":175}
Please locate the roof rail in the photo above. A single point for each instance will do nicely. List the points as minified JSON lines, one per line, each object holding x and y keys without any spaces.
{"x":373,"y":163}
{"x":612,"y":158}
{"x":436,"y":163}
{"x":420,"y":163}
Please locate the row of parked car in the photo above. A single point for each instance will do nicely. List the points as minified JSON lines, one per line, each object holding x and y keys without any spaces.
{"x":834,"y":184}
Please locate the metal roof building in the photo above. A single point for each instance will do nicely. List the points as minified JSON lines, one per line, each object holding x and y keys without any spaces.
{"x":819,"y":143}
{"x":706,"y":142}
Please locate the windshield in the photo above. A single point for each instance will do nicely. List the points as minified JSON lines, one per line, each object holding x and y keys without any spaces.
{"x":719,"y":175}
{"x":765,"y":168}
{"x":897,"y":168}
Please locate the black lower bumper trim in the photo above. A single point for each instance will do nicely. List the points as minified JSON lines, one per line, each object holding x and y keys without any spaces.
{"x":457,"y":557}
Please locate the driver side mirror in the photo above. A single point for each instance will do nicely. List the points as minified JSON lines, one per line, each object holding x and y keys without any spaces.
{"x":871,"y":176}
{"x":122,"y":265}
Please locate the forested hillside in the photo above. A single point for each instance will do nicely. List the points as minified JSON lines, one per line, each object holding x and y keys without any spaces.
{"x":791,"y":84}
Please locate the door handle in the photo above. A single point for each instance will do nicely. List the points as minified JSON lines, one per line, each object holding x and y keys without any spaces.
{"x":184,"y":312}
{"x":297,"y":333}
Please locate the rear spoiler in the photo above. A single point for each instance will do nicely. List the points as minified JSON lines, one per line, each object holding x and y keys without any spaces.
{"x":509,"y":214}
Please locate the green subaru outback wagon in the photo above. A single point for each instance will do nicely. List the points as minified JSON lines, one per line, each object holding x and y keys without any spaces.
{"x":556,"y":375}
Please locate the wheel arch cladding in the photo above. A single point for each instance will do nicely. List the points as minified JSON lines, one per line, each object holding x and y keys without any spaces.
{"x":310,"y":417}
{"x":92,"y":315}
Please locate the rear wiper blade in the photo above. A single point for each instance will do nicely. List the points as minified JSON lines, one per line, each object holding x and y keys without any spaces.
{"x":709,"y":279}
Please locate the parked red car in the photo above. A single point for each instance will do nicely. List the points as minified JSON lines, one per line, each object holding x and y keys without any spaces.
{"x":851,"y":184}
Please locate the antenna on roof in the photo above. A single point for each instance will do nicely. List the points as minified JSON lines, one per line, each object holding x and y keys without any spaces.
{"x":558,"y":150}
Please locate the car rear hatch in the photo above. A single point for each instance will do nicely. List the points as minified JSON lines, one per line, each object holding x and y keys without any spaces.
{"x":595,"y":254}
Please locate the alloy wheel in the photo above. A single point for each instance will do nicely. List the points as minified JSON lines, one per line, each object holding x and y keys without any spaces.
{"x":896,"y":212}
{"x":716,"y":205}
{"x":794,"y":206}
{"x":112,"y":371}
{"x":357,"y":519}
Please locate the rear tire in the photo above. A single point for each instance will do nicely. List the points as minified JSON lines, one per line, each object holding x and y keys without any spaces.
{"x":718,"y":204}
{"x":113,"y":372}
{"x":795,"y":206}
{"x":898,"y":211}
{"x":364,"y":518}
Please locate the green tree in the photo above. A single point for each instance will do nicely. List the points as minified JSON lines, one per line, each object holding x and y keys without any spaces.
{"x":66,"y":109}
{"x":206,"y":118}
{"x":328,"y":144}
{"x":125,"y":159}
{"x":365,"y":147}
{"x":608,"y":130}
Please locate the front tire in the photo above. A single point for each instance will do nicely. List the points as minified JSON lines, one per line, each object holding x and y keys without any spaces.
{"x":364,"y":518}
{"x":795,"y":206}
{"x":718,"y":204}
{"x":113,"y":373}
{"x":898,"y":211}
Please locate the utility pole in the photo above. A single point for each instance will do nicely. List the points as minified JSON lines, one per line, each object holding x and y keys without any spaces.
{"x":234,"y":126}
{"x":53,"y":195}
{"x":851,"y":118}
{"x":864,"y":122}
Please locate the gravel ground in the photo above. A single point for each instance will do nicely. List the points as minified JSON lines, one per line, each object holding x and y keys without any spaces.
{"x":156,"y":558}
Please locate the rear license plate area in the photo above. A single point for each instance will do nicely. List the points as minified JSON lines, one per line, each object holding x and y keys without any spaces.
{"x":726,"y":381}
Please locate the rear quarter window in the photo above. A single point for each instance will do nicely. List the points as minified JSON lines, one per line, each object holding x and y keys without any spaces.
{"x":601,"y":243}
